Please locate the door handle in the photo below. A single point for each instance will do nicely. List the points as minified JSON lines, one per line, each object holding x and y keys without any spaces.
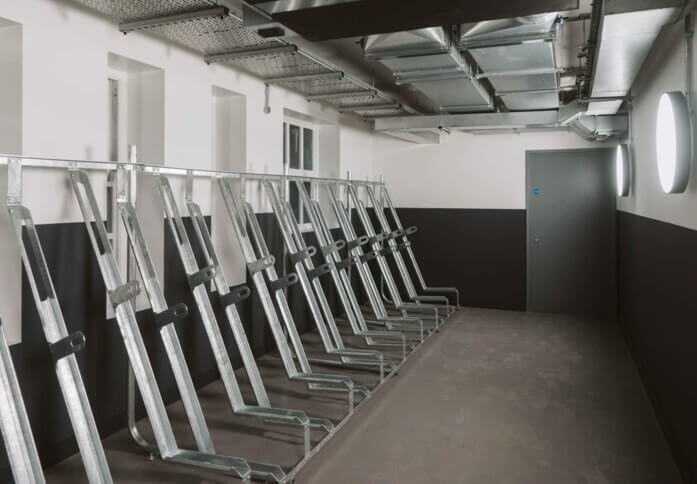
{"x":536,"y":241}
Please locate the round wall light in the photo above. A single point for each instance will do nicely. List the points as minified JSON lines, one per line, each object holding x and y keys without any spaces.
{"x":622,"y":170}
{"x":673,"y":142}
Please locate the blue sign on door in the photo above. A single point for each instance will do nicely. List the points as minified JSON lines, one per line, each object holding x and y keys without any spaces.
{"x":536,"y":191}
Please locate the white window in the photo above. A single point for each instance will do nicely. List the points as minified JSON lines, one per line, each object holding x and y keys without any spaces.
{"x":299,"y":159}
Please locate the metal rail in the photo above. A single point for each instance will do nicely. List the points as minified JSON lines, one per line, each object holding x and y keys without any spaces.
{"x":33,"y":162}
{"x":14,"y":423}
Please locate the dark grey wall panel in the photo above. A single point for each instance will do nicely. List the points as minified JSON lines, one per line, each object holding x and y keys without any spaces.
{"x":657,"y":275}
{"x":479,"y":251}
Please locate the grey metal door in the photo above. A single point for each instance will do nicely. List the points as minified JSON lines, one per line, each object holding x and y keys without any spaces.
{"x":571,"y":232}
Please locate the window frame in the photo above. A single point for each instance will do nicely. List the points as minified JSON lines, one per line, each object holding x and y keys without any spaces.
{"x":304,"y":225}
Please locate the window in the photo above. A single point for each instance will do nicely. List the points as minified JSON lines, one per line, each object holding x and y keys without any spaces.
{"x":299,"y":159}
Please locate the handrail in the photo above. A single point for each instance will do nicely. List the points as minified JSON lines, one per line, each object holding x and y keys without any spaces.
{"x":36,"y":162}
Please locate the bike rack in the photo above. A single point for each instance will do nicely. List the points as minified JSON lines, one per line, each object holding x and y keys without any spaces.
{"x":329,"y":249}
{"x":398,"y":330}
{"x":300,"y":256}
{"x":410,"y":252}
{"x":395,"y":249}
{"x":265,"y":263}
{"x":14,"y":423}
{"x":197,"y":279}
{"x":63,"y":346}
{"x":382,"y":318}
{"x":376,"y":242}
{"x":121,"y":296}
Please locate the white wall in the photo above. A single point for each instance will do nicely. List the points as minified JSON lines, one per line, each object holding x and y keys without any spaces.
{"x":64,"y":100}
{"x":465,"y":170}
{"x":10,"y":142}
{"x":663,"y":71}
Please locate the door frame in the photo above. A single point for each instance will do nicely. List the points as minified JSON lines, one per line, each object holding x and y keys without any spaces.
{"x":528,"y":285}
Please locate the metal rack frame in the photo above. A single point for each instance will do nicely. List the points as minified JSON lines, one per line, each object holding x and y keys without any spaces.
{"x":259,"y":262}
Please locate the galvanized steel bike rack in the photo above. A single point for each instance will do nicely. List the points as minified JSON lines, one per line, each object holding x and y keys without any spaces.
{"x":382,"y":317}
{"x":121,"y":296}
{"x":410,"y":252}
{"x":265,"y":263}
{"x":300,"y":256}
{"x":376,"y":242}
{"x":339,"y":271}
{"x":259,"y":262}
{"x":428,"y":301}
{"x":197,"y":279}
{"x":63,"y":346}
{"x":14,"y":423}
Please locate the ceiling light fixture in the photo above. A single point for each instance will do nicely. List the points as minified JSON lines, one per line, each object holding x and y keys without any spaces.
{"x":673,"y":142}
{"x":622,"y":170}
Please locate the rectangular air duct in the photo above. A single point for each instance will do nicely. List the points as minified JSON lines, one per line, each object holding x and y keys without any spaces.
{"x":426,"y":60}
{"x":628,"y":29}
{"x":517,"y":56}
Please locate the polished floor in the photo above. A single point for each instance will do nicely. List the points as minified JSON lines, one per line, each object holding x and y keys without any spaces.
{"x":496,"y":397}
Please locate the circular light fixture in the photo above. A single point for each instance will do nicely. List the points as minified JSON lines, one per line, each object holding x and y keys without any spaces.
{"x":622,"y":170}
{"x":673,"y":142}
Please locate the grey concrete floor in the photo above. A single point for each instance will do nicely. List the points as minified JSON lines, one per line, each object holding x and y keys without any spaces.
{"x":496,"y":397}
{"x":507,"y":397}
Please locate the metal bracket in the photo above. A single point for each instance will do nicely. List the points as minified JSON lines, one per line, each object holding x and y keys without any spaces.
{"x":376,"y":238}
{"x":333,"y":247}
{"x":319,"y":271}
{"x":67,"y":346}
{"x":346,"y":263}
{"x":261,"y":264}
{"x":352,"y":244}
{"x":201,"y":277}
{"x":171,"y":315}
{"x":124,"y":293}
{"x":411,"y":230}
{"x":14,"y":181}
{"x":368,"y":256}
{"x":303,"y":254}
{"x":283,"y":282}
{"x":235,"y":296}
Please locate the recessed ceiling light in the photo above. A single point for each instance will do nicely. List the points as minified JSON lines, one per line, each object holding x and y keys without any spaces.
{"x":673,"y":142}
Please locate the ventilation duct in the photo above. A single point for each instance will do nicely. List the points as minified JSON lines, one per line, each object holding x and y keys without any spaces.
{"x":517,"y":56}
{"x":426,"y":60}
{"x":627,"y":31}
